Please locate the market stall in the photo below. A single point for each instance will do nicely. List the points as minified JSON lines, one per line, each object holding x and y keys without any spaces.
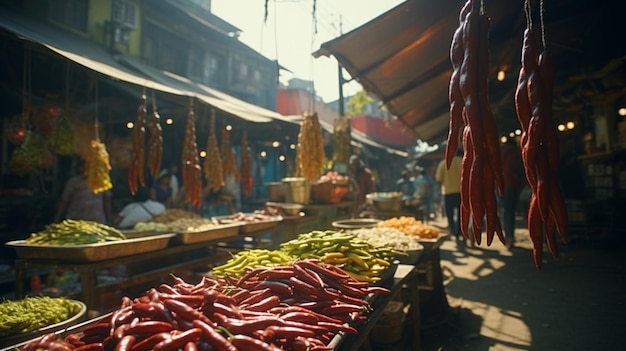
{"x":362,"y":301}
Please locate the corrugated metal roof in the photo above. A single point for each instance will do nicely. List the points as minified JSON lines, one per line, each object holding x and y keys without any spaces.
{"x":402,"y":56}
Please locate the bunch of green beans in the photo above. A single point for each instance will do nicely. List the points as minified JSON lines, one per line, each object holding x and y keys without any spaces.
{"x":75,"y":232}
{"x":32,"y":313}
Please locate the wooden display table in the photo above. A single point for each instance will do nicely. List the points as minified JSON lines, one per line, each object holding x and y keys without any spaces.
{"x":141,"y":269}
{"x":405,"y":275}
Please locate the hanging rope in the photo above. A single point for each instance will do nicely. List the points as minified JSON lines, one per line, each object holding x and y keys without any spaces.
{"x":313,"y":34}
{"x":96,"y":108}
{"x":543,"y":26}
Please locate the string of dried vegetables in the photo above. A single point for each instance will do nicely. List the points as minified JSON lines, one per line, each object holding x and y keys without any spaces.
{"x":311,"y":156}
{"x":229,"y":159}
{"x":471,"y":116}
{"x":191,"y":173}
{"x":155,"y":141}
{"x":98,"y":168}
{"x":136,"y":166}
{"x":213,"y":171}
{"x":547,"y":213}
{"x":97,"y":158}
{"x":341,"y":140}
{"x":245,"y":166}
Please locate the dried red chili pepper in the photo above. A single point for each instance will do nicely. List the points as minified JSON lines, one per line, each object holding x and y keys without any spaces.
{"x":535,"y":231}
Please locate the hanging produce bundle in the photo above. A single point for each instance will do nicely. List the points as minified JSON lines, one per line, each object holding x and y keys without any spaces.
{"x":62,"y":138}
{"x":341,"y":140}
{"x":229,"y":160}
{"x":34,"y":153}
{"x":470,"y":113}
{"x":98,"y":168}
{"x":191,"y":172}
{"x":19,"y":163}
{"x":14,"y":130}
{"x":44,"y":118}
{"x":245,"y":166}
{"x":213,"y":171}
{"x":311,"y":157}
{"x":155,"y":142}
{"x":547,"y":213}
{"x":136,"y":167}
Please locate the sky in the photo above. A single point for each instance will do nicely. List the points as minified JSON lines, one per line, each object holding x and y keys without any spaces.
{"x":290,"y":34}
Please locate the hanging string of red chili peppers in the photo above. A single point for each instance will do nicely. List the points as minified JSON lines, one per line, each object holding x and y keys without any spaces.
{"x":547,"y":213}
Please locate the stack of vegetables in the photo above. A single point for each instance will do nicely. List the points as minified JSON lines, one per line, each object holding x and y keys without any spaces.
{"x":32,"y":313}
{"x":176,"y":220}
{"x":75,"y":232}
{"x":411,"y":226}
{"x":357,"y":257}
{"x":296,"y":307}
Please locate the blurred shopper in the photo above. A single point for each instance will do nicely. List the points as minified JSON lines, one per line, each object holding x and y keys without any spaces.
{"x":80,"y":202}
{"x":161,"y":190}
{"x":363,"y":180}
{"x":425,"y":188}
{"x":450,"y":180}
{"x":405,"y":185}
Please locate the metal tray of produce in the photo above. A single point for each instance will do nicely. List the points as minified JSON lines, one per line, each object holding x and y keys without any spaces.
{"x":255,"y":226}
{"x":219,"y":231}
{"x":251,"y":226}
{"x":92,"y":252}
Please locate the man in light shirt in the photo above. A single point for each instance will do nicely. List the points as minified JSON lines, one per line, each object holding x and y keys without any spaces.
{"x":450,"y":180}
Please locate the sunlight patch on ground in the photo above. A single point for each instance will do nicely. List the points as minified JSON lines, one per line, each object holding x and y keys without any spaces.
{"x":498,"y":325}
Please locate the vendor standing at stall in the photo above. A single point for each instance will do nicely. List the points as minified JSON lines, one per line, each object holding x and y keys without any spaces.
{"x":78,"y":201}
{"x":363,"y":180}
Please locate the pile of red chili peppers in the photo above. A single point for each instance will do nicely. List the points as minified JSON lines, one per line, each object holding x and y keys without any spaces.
{"x":470,"y":113}
{"x":299,"y":307}
{"x":540,"y":146}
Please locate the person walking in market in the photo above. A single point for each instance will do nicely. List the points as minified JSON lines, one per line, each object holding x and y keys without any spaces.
{"x":363,"y":180}
{"x":405,"y":185}
{"x":514,"y":182}
{"x":78,"y":201}
{"x":425,"y":188}
{"x":450,"y":180}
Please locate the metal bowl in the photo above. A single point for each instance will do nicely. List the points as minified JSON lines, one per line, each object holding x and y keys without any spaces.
{"x":355,"y":223}
{"x":390,"y":205}
{"x":291,"y":209}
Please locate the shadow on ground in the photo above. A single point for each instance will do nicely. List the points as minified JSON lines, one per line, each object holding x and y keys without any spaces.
{"x":500,"y":301}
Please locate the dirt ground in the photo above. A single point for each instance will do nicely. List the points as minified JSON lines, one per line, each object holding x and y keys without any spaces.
{"x":500,"y":301}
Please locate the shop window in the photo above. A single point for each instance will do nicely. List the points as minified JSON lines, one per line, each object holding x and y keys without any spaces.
{"x":72,"y":13}
{"x":125,"y":13}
